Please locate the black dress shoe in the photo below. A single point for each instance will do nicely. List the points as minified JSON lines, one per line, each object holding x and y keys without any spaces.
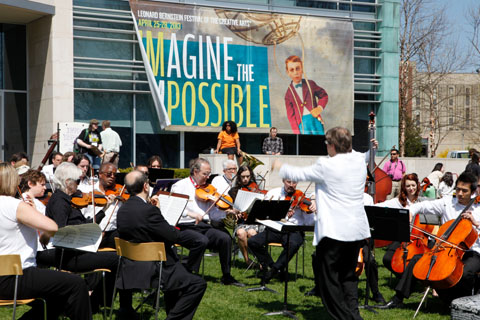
{"x":269,"y":274}
{"x":392,"y":304}
{"x":231,"y":281}
{"x":378,"y":298}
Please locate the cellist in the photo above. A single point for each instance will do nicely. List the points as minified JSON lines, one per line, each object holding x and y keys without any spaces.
{"x":448,"y":208}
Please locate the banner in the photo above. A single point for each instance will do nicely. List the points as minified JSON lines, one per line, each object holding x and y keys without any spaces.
{"x":260,"y":70}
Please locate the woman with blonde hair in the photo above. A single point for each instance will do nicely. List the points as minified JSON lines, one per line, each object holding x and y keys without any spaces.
{"x":19,"y":222}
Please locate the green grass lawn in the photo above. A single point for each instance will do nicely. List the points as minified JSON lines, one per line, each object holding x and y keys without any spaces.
{"x":229,"y":302}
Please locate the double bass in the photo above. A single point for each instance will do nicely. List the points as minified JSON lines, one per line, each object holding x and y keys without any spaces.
{"x":380,"y":184}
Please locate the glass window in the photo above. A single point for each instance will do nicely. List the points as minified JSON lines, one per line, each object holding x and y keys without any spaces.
{"x":14,"y":72}
{"x":15,"y":129}
{"x":467,"y":96}
{"x":450,"y":96}
{"x":467,"y":118}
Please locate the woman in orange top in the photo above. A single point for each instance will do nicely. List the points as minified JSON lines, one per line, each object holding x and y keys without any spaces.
{"x":229,"y":141}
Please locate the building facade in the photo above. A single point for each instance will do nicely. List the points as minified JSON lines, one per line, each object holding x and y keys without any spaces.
{"x":452,"y":102}
{"x":65,"y":61}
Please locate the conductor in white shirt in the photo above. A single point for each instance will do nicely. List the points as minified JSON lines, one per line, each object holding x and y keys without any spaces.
{"x":341,"y":224}
{"x":111,"y":143}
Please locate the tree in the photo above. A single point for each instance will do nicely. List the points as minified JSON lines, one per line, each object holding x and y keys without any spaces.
{"x":413,"y":139}
{"x":426,"y":45}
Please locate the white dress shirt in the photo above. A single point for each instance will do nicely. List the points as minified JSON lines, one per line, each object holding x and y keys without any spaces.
{"x":48,"y":172}
{"x":111,"y":141}
{"x":339,"y":188}
{"x":299,"y":217}
{"x":221,"y":184}
{"x":448,"y":208}
{"x":185,"y":186}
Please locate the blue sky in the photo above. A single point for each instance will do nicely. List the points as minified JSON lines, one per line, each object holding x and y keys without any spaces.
{"x":456,"y":11}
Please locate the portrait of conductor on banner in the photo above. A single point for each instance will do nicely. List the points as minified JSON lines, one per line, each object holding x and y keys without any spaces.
{"x":304,"y":100}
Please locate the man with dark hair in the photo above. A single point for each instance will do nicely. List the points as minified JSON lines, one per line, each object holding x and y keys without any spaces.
{"x":19,"y":156}
{"x":273,"y":144}
{"x":49,"y":170}
{"x":140,"y":221}
{"x":196,"y":232}
{"x":341,"y":225}
{"x":447,"y":208}
{"x":396,"y":169}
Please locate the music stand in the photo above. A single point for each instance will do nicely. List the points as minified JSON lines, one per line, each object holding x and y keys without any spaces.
{"x":155,"y":174}
{"x":385,"y":224}
{"x":267,"y":210}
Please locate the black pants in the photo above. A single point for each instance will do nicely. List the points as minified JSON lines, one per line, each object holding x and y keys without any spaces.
{"x":471,"y":266}
{"x":198,"y":237}
{"x":77,"y":261}
{"x":259,"y":246}
{"x":372,"y":275}
{"x":64,"y":293}
{"x":108,"y":240}
{"x":339,"y":284}
{"x":182,"y":304}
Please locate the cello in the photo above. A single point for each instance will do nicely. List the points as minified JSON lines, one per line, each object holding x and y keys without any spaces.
{"x":442,"y":267}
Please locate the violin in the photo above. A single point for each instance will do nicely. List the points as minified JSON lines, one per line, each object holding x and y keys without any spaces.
{"x":253,"y":187}
{"x":442,"y":266}
{"x":299,"y":199}
{"x":209,"y":193}
{"x":118,"y":191}
{"x":83,"y":200}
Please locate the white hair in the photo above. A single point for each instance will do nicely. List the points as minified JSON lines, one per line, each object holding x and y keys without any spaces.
{"x":65,"y":171}
{"x":227,"y":162}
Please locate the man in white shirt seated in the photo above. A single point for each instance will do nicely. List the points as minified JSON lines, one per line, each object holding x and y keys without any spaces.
{"x":196,"y":234}
{"x":259,"y":243}
{"x":111,"y":143}
{"x":224,"y":183}
{"x":49,"y":170}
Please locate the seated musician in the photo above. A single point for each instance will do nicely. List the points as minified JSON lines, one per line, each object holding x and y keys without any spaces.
{"x":139,"y":221}
{"x":258,"y":244}
{"x":196,"y":232}
{"x":19,"y":222}
{"x":60,"y":209}
{"x":83,"y":163}
{"x":409,"y":194}
{"x":245,"y":177}
{"x":224,"y":182}
{"x":448,"y":208}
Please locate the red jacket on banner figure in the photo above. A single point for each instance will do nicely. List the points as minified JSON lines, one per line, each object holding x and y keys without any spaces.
{"x":304,"y":100}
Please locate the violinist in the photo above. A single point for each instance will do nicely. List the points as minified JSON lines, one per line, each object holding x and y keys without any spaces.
{"x":60,"y":209}
{"x":20,"y":224}
{"x":449,"y":208}
{"x":258,"y":243}
{"x":244,"y":231}
{"x":196,"y":234}
{"x":224,"y":182}
{"x":83,"y":163}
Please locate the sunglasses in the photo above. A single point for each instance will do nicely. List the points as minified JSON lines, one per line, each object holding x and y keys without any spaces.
{"x":109,"y":174}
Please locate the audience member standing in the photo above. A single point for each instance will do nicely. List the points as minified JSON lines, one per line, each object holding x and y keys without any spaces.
{"x":273,"y":144}
{"x":111,"y":143}
{"x":473,"y":166}
{"x":396,"y":169}
{"x":89,"y":139}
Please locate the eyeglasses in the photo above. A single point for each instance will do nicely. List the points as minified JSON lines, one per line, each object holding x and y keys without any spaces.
{"x":109,"y":174}
{"x":393,"y":154}
{"x":231,"y":169}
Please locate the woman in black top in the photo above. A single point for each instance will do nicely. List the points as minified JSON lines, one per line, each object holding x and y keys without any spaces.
{"x":88,"y":140}
{"x":60,"y":209}
{"x":474,"y":166}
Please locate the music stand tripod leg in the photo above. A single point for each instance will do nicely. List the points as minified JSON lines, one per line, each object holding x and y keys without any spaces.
{"x":367,"y":272}
{"x":285,"y":312}
{"x":263,"y":286}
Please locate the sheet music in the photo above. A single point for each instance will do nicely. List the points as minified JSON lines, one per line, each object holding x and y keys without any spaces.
{"x":277,"y":225}
{"x":245,"y":199}
{"x":84,"y":237}
{"x":172,"y":207}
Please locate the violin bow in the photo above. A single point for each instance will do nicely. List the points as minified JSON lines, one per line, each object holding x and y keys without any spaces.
{"x":93,"y":192}
{"x":115,"y":207}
